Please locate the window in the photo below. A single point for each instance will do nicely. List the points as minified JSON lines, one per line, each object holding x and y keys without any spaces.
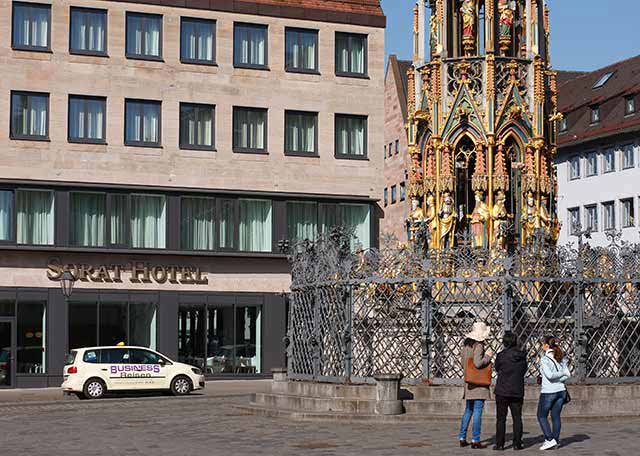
{"x":394,"y":194}
{"x":148,"y":221}
{"x":87,"y":119}
{"x":603,"y":80}
{"x":595,"y":114}
{"x":142,"y":123}
{"x":355,"y":218}
{"x":197,"y":223}
{"x":197,"y":40}
{"x":250,"y":46}
{"x":629,"y":105}
{"x":390,"y":150}
{"x":397,"y":146}
{"x":32,"y":337}
{"x":249,"y":130}
{"x":6,"y":216}
{"x":563,"y":124}
{"x":118,"y":220}
{"x":300,"y":133}
{"x":609,"y":215}
{"x":144,"y":36}
{"x":196,"y":126}
{"x":88,"y":219}
{"x":302,"y":220}
{"x":403,"y":191}
{"x":574,"y":220}
{"x":34,"y":217}
{"x":628,"y":157}
{"x":628,"y":213}
{"x":139,"y":356}
{"x":301,"y":50}
{"x":88,"y":31}
{"x":386,"y":197}
{"x":592,"y":164}
{"x":574,"y":168}
{"x":591,"y":214}
{"x":385,"y":151}
{"x":255,"y":225}
{"x":351,"y":54}
{"x":31,"y":27}
{"x":609,"y":159}
{"x":29,"y":115}
{"x":351,"y":136}
{"x":228,"y":224}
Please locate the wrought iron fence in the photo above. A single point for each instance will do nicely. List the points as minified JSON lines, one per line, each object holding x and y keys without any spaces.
{"x":401,"y":309}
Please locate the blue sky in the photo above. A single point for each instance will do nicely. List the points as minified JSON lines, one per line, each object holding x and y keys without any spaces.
{"x":585,"y":34}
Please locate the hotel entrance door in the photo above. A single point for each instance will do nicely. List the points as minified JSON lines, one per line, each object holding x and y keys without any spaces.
{"x":7,"y":353}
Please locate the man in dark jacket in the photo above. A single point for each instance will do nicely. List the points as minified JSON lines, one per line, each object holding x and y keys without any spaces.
{"x":511,"y":366}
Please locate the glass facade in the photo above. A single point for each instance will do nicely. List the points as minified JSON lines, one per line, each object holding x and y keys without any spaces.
{"x":32,"y":337}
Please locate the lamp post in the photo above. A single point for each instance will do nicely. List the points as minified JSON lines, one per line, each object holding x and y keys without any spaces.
{"x":67,"y":280}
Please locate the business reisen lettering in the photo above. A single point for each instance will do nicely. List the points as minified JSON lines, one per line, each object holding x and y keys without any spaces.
{"x":137,"y":272}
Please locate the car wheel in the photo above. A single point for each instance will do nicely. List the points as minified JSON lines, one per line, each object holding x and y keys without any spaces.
{"x":181,"y":386}
{"x":94,"y":388}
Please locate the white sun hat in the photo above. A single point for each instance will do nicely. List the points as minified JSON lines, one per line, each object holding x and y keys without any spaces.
{"x":480,"y":332}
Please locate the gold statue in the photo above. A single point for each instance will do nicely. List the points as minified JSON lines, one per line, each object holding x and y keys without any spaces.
{"x":500,"y":218}
{"x":447,"y":217}
{"x":530,"y":219}
{"x":415,"y":220}
{"x":545,"y":219}
{"x":479,"y":219}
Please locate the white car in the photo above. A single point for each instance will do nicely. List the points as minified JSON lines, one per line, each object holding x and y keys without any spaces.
{"x":91,"y":372}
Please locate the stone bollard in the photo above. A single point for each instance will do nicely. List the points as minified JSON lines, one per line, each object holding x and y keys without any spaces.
{"x":388,"y":394}
{"x":280,"y":379}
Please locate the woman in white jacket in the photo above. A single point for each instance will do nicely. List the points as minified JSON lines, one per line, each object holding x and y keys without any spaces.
{"x":553,"y":394}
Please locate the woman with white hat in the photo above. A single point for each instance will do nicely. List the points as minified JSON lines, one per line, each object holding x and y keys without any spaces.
{"x":475,"y":395}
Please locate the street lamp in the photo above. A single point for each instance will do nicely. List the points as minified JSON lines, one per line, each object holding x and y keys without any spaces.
{"x":67,"y":280}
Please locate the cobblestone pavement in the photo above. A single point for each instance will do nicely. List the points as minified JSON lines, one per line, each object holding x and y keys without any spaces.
{"x":210,"y":425}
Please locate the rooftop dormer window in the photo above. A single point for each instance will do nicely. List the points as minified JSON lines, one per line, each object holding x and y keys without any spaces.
{"x":595,"y":114}
{"x":563,"y":125}
{"x":603,"y":80}
{"x":629,"y":105}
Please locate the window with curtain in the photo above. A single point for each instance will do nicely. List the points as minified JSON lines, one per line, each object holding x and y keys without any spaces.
{"x":227,"y":224}
{"x":574,"y":220}
{"x":196,"y":126}
{"x":6,"y":215}
{"x":249,"y":129}
{"x":197,"y":223}
{"x":144,"y":36}
{"x":197,"y":40}
{"x":351,"y":136}
{"x":609,"y":212}
{"x":31,"y":26}
{"x":88,"y":219}
{"x":302,"y":220}
{"x":118,"y":217}
{"x":300,"y":132}
{"x":250,"y":45}
{"x":327,"y":217}
{"x":351,"y":54}
{"x":609,"y":158}
{"x":148,"y":221}
{"x":591,"y":216}
{"x":142,"y":119}
{"x":301,"y":50}
{"x":29,"y":115}
{"x":355,"y":218}
{"x":88,"y":33}
{"x":627,"y":209}
{"x":87,"y":119}
{"x":35,"y":217}
{"x":255,"y":225}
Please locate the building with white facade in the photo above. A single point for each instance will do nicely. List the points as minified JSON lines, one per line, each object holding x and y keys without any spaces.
{"x":598,"y":159}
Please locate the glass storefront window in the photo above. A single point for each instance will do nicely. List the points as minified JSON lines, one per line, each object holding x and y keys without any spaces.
{"x":113,"y":323}
{"x":83,"y":324}
{"x":7,"y":307}
{"x":142,"y":324}
{"x":191,"y":331}
{"x":248,"y":340}
{"x":32,"y":316}
{"x":220,"y":340}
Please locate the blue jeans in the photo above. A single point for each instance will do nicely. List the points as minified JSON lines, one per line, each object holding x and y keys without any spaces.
{"x":474,"y":409}
{"x":551,"y":403}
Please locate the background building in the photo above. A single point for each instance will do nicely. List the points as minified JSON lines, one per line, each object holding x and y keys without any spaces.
{"x":396,"y":159}
{"x":161,"y":151}
{"x":599,"y":152}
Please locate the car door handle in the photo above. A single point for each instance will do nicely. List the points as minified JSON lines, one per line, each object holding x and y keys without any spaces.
{"x":104,"y":370}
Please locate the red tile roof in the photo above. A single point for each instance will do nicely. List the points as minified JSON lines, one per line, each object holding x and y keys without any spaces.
{"x":577,"y":96}
{"x":356,"y":12}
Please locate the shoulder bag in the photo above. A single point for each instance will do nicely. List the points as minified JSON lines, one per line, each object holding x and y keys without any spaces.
{"x":567,"y":396}
{"x":475,"y":376}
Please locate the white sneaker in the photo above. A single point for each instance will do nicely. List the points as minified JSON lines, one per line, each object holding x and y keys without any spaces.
{"x":548,"y":444}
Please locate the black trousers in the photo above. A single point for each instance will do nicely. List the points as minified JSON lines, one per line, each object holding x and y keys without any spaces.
{"x":502,"y":405}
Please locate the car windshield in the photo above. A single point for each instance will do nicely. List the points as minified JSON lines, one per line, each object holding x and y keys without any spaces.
{"x":71,"y":357}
